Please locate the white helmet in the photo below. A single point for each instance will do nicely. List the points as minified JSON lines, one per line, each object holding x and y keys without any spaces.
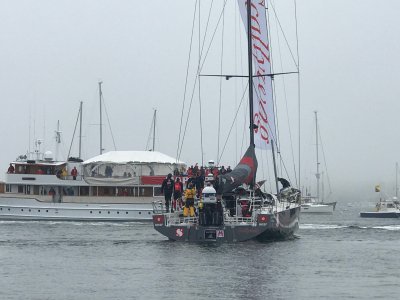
{"x":209,"y":195}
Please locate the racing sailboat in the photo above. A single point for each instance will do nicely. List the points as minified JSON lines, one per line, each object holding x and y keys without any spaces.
{"x":235,"y":209}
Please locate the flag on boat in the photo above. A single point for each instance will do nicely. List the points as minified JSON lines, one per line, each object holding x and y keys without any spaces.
{"x":377,"y":188}
{"x":263,"y":107}
{"x":244,"y":172}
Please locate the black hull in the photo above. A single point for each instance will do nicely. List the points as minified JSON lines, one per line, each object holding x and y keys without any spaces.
{"x":278,"y":226}
{"x":287,"y":227}
{"x":392,"y":215}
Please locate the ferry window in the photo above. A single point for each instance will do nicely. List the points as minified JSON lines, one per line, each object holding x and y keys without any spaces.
{"x":157,"y":191}
{"x":29,"y":210}
{"x":47,"y":210}
{"x":99,"y":212}
{"x":91,"y":212}
{"x":126,"y":212}
{"x":149,"y":213}
{"x":140,"y":212}
{"x":8,"y":188}
{"x":118,"y":212}
{"x":38,"y":210}
{"x":84,"y":191}
{"x":20,"y":189}
{"x":146,"y":191}
{"x":108,"y":212}
{"x":22,"y":209}
{"x":9,"y":209}
{"x":390,"y":205}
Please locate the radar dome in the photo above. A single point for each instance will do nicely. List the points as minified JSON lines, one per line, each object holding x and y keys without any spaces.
{"x":48,"y":156}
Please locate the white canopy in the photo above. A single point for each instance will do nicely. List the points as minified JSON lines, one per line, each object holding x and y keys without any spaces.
{"x":133,"y":157}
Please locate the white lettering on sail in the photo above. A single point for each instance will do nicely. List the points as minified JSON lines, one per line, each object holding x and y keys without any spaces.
{"x":263,"y":107}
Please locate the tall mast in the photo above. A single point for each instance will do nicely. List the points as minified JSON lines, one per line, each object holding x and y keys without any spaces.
{"x":397,"y":172}
{"x":250,"y":63}
{"x":317,"y":175}
{"x":80,"y":130}
{"x":154,"y":128}
{"x":101,"y":119}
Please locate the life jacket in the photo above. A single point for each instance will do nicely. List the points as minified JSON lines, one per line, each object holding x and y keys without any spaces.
{"x":178,"y":187}
{"x":190,"y":193}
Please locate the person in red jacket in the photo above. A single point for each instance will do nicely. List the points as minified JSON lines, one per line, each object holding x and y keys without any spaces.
{"x":178,"y":190}
{"x":74,"y":173}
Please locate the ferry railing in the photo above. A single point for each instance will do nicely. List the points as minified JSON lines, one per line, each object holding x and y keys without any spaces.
{"x":158,"y":207}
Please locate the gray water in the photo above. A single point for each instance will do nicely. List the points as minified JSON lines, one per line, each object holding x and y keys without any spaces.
{"x":332,"y":257}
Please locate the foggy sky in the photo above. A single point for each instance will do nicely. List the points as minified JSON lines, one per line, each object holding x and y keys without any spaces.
{"x":53,"y":53}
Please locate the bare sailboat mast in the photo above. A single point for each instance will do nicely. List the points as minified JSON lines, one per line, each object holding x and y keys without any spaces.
{"x":317,"y":175}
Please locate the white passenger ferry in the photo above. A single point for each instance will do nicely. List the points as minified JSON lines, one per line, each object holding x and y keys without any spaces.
{"x":115,"y":186}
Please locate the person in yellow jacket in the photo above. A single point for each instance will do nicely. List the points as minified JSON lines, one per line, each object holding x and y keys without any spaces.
{"x":189,"y":204}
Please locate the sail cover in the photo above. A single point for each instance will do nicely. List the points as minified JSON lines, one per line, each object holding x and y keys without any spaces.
{"x":263,"y":111}
{"x":244,"y":172}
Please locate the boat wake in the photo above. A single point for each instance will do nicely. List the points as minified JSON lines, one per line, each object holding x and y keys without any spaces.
{"x":355,"y":227}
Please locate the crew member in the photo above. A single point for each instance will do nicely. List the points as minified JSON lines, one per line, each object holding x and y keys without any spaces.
{"x":11,"y":169}
{"x":74,"y":173}
{"x":178,"y":190}
{"x":189,"y":204}
{"x":167,"y":188}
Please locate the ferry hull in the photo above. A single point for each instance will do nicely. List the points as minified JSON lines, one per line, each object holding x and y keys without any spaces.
{"x":32,"y":209}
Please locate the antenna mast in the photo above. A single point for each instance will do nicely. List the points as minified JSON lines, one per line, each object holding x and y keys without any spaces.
{"x":154,"y":129}
{"x":80,"y":130}
{"x":101,"y":119}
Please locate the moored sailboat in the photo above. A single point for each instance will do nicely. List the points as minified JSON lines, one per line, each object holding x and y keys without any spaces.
{"x":316,"y":204}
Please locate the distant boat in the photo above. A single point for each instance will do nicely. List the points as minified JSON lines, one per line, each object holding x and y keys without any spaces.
{"x":385,"y":207}
{"x":314,"y":204}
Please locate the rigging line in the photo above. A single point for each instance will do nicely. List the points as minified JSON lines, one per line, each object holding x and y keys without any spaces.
{"x":244,"y":124}
{"x":213,"y":35}
{"x":108,"y":121}
{"x":73,"y":135}
{"x":284,"y":35}
{"x":233,"y":123}
{"x":284,"y":167}
{"x":188,"y":115}
{"x":220,"y":87}
{"x":186,"y":80}
{"x":193,"y":91}
{"x":206,"y":29}
{"x":287,"y":108}
{"x":201,"y":124}
{"x":269,"y":174}
{"x":274,"y":108}
{"x":298,"y":84}
{"x":326,"y":168}
{"x":236,"y":124}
